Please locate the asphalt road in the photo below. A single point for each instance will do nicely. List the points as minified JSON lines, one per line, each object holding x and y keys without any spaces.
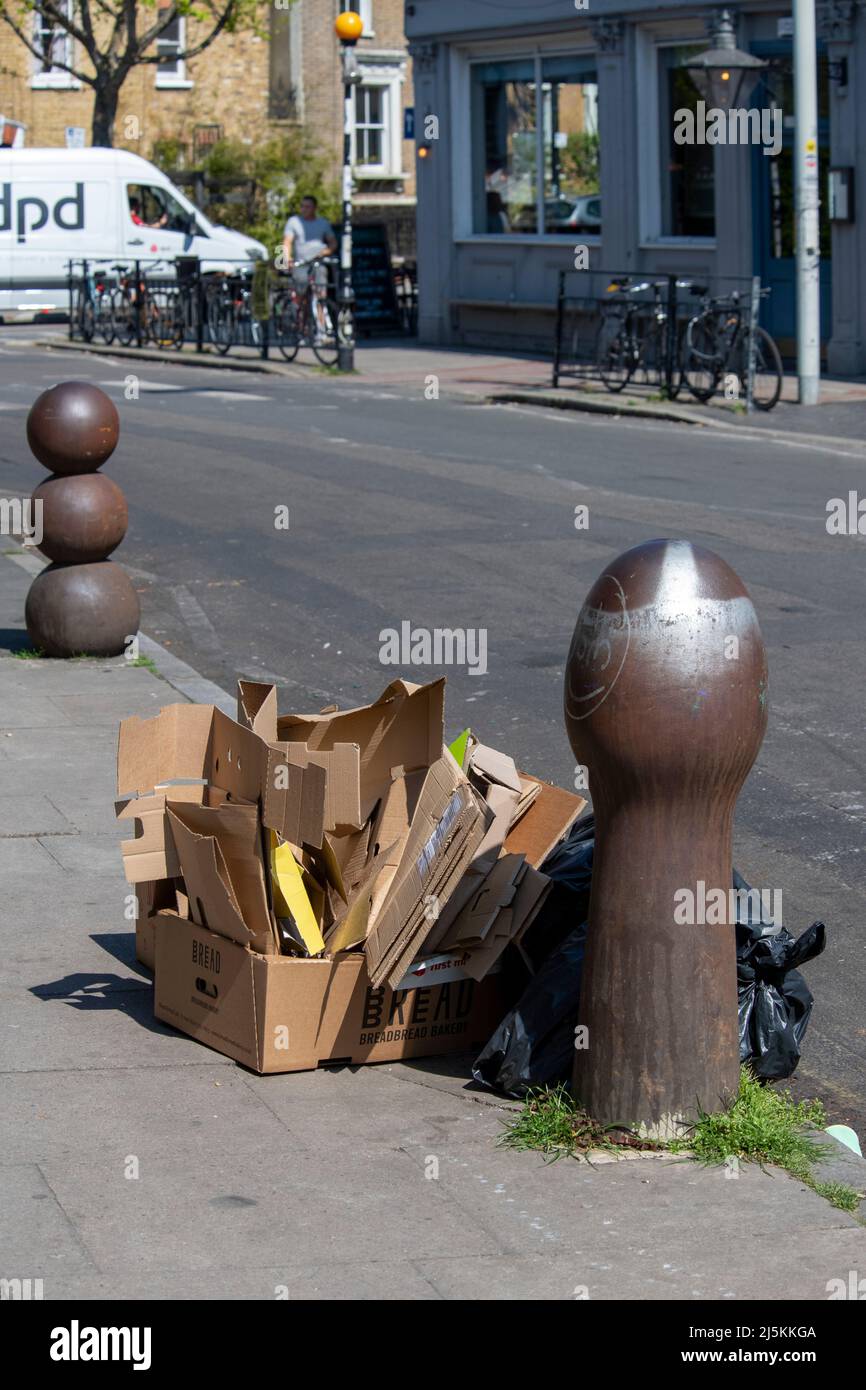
{"x":449,"y":514}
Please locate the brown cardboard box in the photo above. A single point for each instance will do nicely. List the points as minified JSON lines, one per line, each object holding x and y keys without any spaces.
{"x":279,"y":1013}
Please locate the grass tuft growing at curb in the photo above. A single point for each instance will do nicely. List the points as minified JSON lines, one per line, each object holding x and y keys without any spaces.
{"x":552,"y":1122}
{"x":761,"y":1125}
{"x":28,"y":654}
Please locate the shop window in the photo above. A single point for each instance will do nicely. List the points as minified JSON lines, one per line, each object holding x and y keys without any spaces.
{"x":688,"y":182}
{"x":535,"y":146}
{"x":570,"y":148}
{"x":504,"y":147}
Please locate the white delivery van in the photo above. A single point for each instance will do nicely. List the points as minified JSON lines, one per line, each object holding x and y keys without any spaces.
{"x":108,"y":206}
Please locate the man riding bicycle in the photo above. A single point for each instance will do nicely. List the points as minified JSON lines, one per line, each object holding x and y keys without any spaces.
{"x":307,"y":240}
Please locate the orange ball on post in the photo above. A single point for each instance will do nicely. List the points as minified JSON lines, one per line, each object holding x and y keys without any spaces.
{"x":349,"y":26}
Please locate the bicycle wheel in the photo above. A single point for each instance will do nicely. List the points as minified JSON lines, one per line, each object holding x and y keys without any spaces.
{"x":86,"y":318}
{"x":324,"y":323}
{"x":123,"y":318}
{"x":702,"y":364}
{"x":614,"y":358}
{"x":221,"y":319}
{"x":105,"y":320}
{"x":767,"y":383}
{"x":285,"y":327}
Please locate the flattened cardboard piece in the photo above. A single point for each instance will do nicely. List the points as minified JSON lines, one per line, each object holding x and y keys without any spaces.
{"x":403,"y":728}
{"x":353,"y":926}
{"x":547,"y":821}
{"x":257,"y":708}
{"x":236,"y":830}
{"x":151,"y":898}
{"x":294,"y":798}
{"x":151,"y":854}
{"x":495,"y":892}
{"x":280,"y":1014}
{"x":189,"y":742}
{"x":213,"y":901}
{"x":353,"y":850}
{"x":494,"y":766}
{"x":171,"y":745}
{"x":501,"y":802}
{"x":448,"y":874}
{"x":437,"y":815}
{"x":511,"y":922}
{"x":291,"y":898}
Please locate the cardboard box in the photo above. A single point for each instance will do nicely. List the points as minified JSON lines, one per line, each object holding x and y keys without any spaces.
{"x":280,"y":1014}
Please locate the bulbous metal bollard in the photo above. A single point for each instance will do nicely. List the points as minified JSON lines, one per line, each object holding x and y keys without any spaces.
{"x":82,"y":604}
{"x":666,"y":706}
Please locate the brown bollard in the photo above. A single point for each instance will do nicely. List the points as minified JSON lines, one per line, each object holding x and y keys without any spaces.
{"x":666,"y":707}
{"x":83,"y":603}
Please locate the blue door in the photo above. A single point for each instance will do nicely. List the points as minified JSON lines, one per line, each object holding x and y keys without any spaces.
{"x":774,"y":223}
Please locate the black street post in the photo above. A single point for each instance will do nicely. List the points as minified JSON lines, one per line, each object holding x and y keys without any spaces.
{"x":348,"y":26}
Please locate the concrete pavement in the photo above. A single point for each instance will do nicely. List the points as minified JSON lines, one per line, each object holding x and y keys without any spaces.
{"x":138,"y":1164}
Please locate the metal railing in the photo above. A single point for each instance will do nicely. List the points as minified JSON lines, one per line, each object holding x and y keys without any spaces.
{"x":639,"y":330}
{"x":171,"y":303}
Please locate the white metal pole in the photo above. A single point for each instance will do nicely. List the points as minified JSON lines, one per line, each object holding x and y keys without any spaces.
{"x":806,"y":200}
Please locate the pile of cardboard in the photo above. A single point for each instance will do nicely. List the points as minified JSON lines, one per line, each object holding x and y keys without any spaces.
{"x":337,"y":887}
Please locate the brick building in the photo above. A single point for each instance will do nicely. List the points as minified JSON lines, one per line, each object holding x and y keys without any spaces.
{"x":245,"y":86}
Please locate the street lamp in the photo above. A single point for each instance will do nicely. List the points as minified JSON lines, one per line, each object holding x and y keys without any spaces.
{"x":718,"y":72}
{"x":349,"y":27}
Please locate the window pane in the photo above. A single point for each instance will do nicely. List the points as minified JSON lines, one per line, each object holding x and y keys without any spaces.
{"x":374,"y":147}
{"x":504,"y":147}
{"x":688,"y":176}
{"x":569,"y":95}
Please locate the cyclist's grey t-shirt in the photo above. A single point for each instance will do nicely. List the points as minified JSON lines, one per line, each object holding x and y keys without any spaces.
{"x":309,"y":236}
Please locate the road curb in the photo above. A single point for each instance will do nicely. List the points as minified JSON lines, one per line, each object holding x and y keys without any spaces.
{"x":171,"y":359}
{"x":601,"y":405}
{"x":593,"y":405}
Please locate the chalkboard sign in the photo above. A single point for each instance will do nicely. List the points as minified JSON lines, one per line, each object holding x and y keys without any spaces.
{"x":372,"y":277}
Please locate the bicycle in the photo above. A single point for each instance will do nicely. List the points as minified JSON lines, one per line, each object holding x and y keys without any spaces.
{"x":308,"y":315}
{"x":150,"y":314}
{"x":718,"y":343}
{"x":640,"y":338}
{"x":229,"y":312}
{"x":92,"y":311}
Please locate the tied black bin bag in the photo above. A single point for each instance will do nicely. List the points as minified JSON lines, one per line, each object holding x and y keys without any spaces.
{"x":533,"y":1045}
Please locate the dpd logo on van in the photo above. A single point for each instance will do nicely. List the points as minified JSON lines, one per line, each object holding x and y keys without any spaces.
{"x":15,"y":211}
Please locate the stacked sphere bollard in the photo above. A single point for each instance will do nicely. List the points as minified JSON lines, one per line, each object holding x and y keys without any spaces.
{"x":83,"y":603}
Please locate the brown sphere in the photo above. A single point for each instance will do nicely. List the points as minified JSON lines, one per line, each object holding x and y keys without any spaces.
{"x":83,"y":518}
{"x":77,"y":610}
{"x":73,"y":427}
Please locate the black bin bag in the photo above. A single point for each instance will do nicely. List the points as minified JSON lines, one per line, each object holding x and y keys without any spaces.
{"x":774,"y":1001}
{"x":534,"y":1044}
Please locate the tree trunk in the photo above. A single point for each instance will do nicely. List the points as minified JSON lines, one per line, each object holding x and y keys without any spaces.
{"x":105,"y":99}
